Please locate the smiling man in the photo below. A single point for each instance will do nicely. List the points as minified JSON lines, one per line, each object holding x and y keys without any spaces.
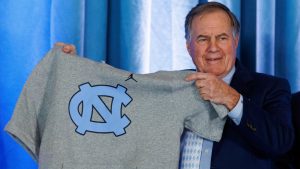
{"x":259,"y":125}
{"x":212,"y":44}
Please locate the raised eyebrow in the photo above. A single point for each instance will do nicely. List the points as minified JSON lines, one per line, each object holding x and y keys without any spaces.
{"x":222,"y":34}
{"x":202,"y":36}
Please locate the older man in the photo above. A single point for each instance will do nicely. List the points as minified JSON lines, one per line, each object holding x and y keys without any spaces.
{"x":259,"y":125}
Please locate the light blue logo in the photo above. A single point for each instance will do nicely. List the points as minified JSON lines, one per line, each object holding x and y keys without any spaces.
{"x":89,"y":98}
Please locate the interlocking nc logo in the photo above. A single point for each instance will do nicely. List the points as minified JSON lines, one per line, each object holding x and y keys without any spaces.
{"x":88,"y":98}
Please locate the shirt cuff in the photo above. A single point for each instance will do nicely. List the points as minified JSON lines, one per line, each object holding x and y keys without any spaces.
{"x":237,"y":112}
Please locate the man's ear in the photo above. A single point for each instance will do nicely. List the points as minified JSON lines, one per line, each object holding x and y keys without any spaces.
{"x":236,"y":41}
{"x":188,"y":47}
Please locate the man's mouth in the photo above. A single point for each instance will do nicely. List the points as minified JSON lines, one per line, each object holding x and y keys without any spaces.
{"x":213,"y":59}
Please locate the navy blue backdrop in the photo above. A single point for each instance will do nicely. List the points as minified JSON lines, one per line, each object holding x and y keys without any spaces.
{"x":137,"y":35}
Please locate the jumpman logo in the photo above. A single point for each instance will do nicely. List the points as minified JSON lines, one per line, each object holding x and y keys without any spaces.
{"x":131,"y":77}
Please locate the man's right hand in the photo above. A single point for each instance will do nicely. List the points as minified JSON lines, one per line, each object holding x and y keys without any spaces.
{"x":67,"y":48}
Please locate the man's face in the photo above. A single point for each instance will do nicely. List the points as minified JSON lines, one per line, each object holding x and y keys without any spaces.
{"x":212,"y":45}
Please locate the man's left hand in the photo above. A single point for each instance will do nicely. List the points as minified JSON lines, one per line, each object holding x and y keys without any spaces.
{"x":214,"y":89}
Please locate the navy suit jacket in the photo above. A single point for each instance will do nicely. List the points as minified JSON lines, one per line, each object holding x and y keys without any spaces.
{"x":291,"y":160}
{"x":296,"y":120}
{"x":265,"y":130}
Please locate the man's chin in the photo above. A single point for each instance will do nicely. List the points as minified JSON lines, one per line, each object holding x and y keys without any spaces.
{"x":218,"y":73}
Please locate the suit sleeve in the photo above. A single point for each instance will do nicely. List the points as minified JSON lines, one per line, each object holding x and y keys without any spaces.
{"x":266,"y":123}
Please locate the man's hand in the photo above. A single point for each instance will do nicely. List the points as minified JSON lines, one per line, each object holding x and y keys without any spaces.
{"x":214,"y":89}
{"x":67,"y":48}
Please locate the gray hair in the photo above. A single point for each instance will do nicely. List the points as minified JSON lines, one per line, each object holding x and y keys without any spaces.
{"x":209,"y":7}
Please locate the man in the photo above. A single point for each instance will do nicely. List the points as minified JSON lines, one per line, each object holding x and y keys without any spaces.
{"x":259,"y":125}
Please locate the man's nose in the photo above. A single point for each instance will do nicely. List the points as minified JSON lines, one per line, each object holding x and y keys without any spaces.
{"x":213,"y":46}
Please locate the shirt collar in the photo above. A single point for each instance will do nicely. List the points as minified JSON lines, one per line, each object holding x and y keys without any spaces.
{"x":227,"y":79}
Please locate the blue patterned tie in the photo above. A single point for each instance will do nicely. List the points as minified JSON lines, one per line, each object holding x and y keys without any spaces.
{"x":191,"y":147}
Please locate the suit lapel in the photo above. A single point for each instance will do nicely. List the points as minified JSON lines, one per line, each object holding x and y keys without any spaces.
{"x":241,"y":78}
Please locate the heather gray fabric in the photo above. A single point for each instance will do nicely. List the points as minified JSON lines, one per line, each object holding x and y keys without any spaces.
{"x":74,"y":113}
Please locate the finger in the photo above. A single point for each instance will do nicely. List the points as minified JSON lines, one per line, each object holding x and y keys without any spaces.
{"x":73,"y":50}
{"x":66,"y":48}
{"x":70,"y":49}
{"x":200,"y":83}
{"x":195,"y":76}
{"x":204,"y":96}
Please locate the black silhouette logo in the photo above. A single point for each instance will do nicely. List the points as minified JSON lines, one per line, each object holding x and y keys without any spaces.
{"x":131,"y":77}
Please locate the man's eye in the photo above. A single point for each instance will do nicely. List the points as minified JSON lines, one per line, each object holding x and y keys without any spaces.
{"x":223,"y":38}
{"x":202,"y":39}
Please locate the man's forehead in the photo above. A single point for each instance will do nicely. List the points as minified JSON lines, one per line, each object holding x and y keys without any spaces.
{"x":204,"y":24}
{"x":213,"y":19}
{"x":213,"y":12}
{"x":212,"y":31}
